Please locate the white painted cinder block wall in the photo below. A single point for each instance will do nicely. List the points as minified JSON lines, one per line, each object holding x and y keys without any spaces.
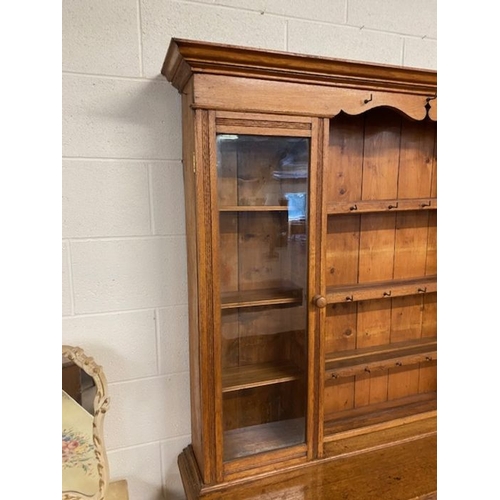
{"x":124,"y":259}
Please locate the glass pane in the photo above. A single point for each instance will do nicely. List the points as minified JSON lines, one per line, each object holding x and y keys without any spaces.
{"x":262,"y":191}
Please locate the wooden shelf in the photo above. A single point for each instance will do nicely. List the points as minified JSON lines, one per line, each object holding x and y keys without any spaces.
{"x":381,"y":289}
{"x":254,"y":208}
{"x":262,"y":297}
{"x":377,"y":414}
{"x":249,"y":376}
{"x":367,"y":206}
{"x":264,"y":437}
{"x":358,"y":361}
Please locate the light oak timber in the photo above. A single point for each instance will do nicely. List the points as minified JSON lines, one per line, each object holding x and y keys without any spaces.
{"x":276,"y":459}
{"x":343,"y":174}
{"x":390,"y":413}
{"x":315,"y":282}
{"x":367,"y":246}
{"x":347,"y":364}
{"x":381,"y":152}
{"x":263,"y":437}
{"x":433,"y":109}
{"x":353,"y":443}
{"x":187,"y":57}
{"x":382,"y":289}
{"x":265,"y":96}
{"x":261,"y":297}
{"x":248,"y":130}
{"x":404,"y":471}
{"x":394,"y":205}
{"x":252,"y":208}
{"x":191,"y":195}
{"x":248,"y":376}
{"x":208,"y":282}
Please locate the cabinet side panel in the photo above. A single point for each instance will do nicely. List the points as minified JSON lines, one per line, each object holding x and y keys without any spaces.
{"x":188,"y":147}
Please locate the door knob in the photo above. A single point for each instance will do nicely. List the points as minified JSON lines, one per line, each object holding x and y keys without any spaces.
{"x":319,"y":301}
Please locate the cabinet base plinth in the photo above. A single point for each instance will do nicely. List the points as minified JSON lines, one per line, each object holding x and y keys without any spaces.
{"x":402,"y":470}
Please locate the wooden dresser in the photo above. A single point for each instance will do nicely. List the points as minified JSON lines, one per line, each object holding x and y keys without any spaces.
{"x":311,"y":202}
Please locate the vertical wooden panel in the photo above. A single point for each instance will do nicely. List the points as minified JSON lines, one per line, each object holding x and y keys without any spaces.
{"x":189,"y":145}
{"x":227,"y":188}
{"x":431,"y":258}
{"x":341,"y":326}
{"x":345,"y":156}
{"x":411,"y":244}
{"x":230,"y":348}
{"x":342,"y":183}
{"x":376,"y":249}
{"x":415,"y":180}
{"x":316,"y":220}
{"x":429,"y":315}
{"x":417,"y":154}
{"x":428,"y":377}
{"x":374,"y":318}
{"x":433,"y":128}
{"x":228,"y":239}
{"x":381,"y":155}
{"x":342,"y":250}
{"x":339,"y":395}
{"x":259,"y":255}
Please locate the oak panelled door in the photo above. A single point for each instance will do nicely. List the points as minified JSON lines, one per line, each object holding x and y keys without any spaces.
{"x":263,"y":171}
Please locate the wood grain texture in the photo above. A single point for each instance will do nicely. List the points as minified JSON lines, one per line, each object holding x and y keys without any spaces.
{"x":381,"y":289}
{"x":203,"y":57}
{"x":358,"y":373}
{"x":268,"y":96}
{"x":405,"y":471}
{"x":247,"y":376}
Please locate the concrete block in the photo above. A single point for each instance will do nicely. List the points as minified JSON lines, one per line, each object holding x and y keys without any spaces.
{"x":67,"y":307}
{"x":163,"y":19}
{"x":173,"y":339}
{"x":170,"y":450}
{"x":101,"y":37}
{"x":116,"y":118}
{"x":124,"y":344}
{"x":167,"y":192}
{"x":141,"y":467}
{"x":148,"y":410}
{"x":105,"y":198}
{"x":344,"y":43}
{"x":125,"y":274}
{"x":420,"y":53}
{"x":328,"y":11}
{"x":405,"y":17}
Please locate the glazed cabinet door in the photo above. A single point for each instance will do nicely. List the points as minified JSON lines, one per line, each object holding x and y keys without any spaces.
{"x":265,"y":200}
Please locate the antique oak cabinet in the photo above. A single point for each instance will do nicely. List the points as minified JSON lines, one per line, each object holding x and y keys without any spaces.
{"x":310,"y":190}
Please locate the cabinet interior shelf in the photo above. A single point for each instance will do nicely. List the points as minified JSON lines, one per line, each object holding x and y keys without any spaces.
{"x":408,"y":408}
{"x":253,"y":208}
{"x":258,"y":375}
{"x":372,"y":359}
{"x":261,"y":297}
{"x":263,"y":437}
{"x":394,"y":205}
{"x":381,"y":289}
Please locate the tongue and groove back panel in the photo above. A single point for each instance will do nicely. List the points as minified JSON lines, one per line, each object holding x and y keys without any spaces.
{"x":380,"y":155}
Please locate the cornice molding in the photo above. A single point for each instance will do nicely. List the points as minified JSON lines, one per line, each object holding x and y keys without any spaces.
{"x":187,"y":57}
